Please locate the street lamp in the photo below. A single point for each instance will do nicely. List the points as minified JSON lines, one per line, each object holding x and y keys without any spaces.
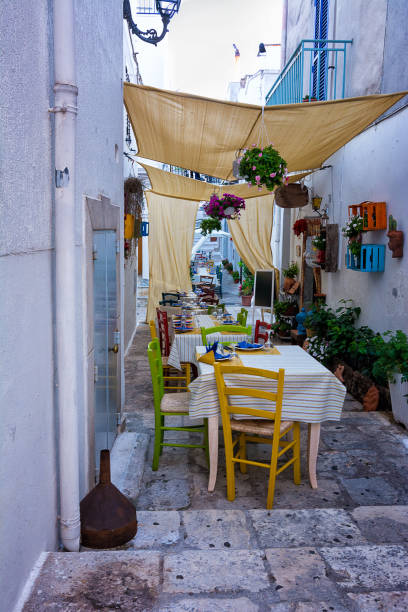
{"x":165,"y":8}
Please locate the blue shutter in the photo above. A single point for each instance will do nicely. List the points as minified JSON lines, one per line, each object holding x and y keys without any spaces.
{"x":320,"y":57}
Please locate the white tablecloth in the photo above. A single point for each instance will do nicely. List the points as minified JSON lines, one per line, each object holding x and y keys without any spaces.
{"x":312,"y":394}
{"x":184,"y":346}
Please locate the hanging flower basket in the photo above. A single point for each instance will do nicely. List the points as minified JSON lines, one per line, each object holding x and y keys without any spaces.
{"x":263,"y":167}
{"x":227,"y":207}
{"x":210,"y":224}
{"x":300,"y":227}
{"x":292,"y":196}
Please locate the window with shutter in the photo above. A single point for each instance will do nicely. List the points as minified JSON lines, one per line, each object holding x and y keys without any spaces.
{"x":320,"y":55}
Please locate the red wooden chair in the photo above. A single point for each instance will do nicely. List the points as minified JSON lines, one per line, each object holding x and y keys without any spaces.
{"x":259,"y":333}
{"x":208,"y":299}
{"x":164,"y":338}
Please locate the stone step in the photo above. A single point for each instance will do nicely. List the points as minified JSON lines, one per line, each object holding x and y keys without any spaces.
{"x":193,"y":560}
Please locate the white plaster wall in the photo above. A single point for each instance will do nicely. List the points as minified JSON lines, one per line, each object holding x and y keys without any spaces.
{"x":28,"y":474}
{"x":99,"y":167}
{"x":371,"y":167}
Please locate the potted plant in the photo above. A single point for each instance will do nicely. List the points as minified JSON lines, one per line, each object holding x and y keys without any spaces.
{"x":307,"y":98}
{"x":392,"y":362}
{"x":227,"y":207}
{"x":319,"y":243}
{"x":396,"y":237}
{"x":300,"y":227}
{"x":247,"y":289}
{"x":229,"y":267}
{"x":235,"y":276}
{"x":283,"y":331}
{"x":209,"y":224}
{"x":285,"y":309}
{"x":263,"y":167}
{"x":290,"y":275}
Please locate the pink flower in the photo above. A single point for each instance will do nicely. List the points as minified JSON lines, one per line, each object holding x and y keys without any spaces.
{"x":249,"y":184}
{"x":254,"y":145}
{"x":257,"y":178}
{"x":286,"y":170}
{"x":272,"y":174}
{"x":253,"y":167}
{"x":260,"y":155}
{"x":260,"y":188}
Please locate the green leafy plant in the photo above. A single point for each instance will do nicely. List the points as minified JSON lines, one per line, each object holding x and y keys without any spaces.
{"x":292,"y":271}
{"x":247,"y":286}
{"x":235,"y":275}
{"x":353,"y":227}
{"x":229,"y":267}
{"x":263,"y":167}
{"x":284,"y":308}
{"x":224,"y":262}
{"x":355,"y":247}
{"x":392,"y":356}
{"x":209,"y":224}
{"x":317,"y":320}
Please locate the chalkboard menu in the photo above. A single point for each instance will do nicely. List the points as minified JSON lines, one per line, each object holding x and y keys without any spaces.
{"x":264,"y":286}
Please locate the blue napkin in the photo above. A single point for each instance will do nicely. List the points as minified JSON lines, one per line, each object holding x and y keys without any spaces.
{"x":245,"y":345}
{"x":212,"y":347}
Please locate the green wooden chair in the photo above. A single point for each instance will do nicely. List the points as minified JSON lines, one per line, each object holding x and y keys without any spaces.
{"x":169,"y":404}
{"x":211,"y":309}
{"x":242,"y":317}
{"x":232,"y":329}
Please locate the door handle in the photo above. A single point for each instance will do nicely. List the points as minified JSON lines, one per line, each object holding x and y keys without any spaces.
{"x":115,"y":348}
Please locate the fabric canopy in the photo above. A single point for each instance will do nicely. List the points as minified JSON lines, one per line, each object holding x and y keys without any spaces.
{"x":178,"y":186}
{"x":204,"y":135}
{"x":171,"y":231}
{"x":252,"y":232}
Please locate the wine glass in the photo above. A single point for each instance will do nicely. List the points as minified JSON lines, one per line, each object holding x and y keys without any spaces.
{"x":268,"y":343}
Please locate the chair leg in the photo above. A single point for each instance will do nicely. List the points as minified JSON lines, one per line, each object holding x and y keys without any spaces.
{"x":161,"y":437}
{"x":242,"y":453}
{"x":229,"y":465}
{"x":296,"y":454}
{"x":158,"y":436}
{"x":272,"y":472}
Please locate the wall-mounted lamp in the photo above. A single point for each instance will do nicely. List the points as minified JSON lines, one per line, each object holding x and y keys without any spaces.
{"x":165,"y":8}
{"x":262,"y":48}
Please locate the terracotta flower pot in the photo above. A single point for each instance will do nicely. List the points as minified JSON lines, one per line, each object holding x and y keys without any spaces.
{"x":246,"y":300}
{"x":321,"y":257}
{"x":288,"y":283}
{"x":396,"y":242}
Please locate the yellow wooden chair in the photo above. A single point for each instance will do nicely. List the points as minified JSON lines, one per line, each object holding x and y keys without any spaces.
{"x":270,"y":430}
{"x":171,"y":374}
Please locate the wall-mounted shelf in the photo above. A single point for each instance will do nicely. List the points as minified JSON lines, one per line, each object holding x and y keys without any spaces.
{"x":371,"y":258}
{"x":374,"y":214}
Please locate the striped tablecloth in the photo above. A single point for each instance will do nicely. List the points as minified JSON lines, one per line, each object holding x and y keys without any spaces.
{"x":312,"y":394}
{"x":184,"y":346}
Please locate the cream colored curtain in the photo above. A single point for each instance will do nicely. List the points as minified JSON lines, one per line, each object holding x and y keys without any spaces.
{"x":252,"y":232}
{"x":171,"y":231}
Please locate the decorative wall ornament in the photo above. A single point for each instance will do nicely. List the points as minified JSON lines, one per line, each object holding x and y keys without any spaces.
{"x":396,"y":237}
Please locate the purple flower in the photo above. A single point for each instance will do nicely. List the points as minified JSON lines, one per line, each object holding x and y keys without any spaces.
{"x":257,"y":178}
{"x":253,"y":167}
{"x":249,"y":184}
{"x":272,"y":174}
{"x":260,"y":155}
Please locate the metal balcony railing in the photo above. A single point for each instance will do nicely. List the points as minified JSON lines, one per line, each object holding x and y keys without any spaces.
{"x":316,"y":71}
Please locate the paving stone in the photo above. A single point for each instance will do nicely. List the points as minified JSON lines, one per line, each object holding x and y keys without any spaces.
{"x":173,"y":495}
{"x":127,"y":462}
{"x":393,"y":601}
{"x":383,"y":524}
{"x":97,"y":581}
{"x":341,"y":440}
{"x":289,"y":495}
{"x":371,"y":491}
{"x":156,"y":529}
{"x":350,"y":463}
{"x":318,"y":527}
{"x":300,"y":574}
{"x":219,"y":529}
{"x":238,"y":604}
{"x":214,"y":571}
{"x":371,"y":567}
{"x":319,"y":606}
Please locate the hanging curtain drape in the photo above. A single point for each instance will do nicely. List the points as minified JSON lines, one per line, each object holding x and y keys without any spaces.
{"x":252,"y":233}
{"x":171,"y":232}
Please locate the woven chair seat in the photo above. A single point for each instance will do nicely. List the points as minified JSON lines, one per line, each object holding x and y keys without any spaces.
{"x":258,"y":427}
{"x":175,"y":402}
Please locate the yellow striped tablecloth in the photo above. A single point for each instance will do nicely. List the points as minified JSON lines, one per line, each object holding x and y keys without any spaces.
{"x":183,"y":348}
{"x":312,"y":394}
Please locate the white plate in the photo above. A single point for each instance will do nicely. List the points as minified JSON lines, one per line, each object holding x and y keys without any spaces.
{"x":223,"y":358}
{"x":255,"y":348}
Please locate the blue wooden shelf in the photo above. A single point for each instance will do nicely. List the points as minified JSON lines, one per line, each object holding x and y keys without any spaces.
{"x":371,"y":258}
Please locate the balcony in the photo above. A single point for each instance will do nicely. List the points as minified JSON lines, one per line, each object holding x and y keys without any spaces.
{"x":316,"y":71}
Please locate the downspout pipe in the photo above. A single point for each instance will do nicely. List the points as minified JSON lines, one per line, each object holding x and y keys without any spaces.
{"x":65,"y":100}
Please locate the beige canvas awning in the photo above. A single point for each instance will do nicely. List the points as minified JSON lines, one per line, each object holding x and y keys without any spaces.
{"x":203,"y":134}
{"x":178,"y":186}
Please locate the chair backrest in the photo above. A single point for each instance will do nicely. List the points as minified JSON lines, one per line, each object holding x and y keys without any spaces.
{"x":207,"y":290}
{"x":225,"y":391}
{"x":153,"y":332}
{"x":163,"y":326}
{"x":208,"y":299}
{"x":206,"y":279}
{"x":168,"y":299}
{"x":242,"y":316}
{"x":233,"y":329}
{"x":259,"y":333}
{"x":156,"y":370}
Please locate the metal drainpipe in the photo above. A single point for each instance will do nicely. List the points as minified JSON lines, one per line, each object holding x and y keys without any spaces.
{"x":65,"y":135}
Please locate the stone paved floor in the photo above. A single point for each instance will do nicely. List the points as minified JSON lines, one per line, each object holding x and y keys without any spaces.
{"x":341,"y":547}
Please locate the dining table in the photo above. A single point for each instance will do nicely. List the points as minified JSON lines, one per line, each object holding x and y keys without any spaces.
{"x":184,"y":345}
{"x":312,"y":395}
